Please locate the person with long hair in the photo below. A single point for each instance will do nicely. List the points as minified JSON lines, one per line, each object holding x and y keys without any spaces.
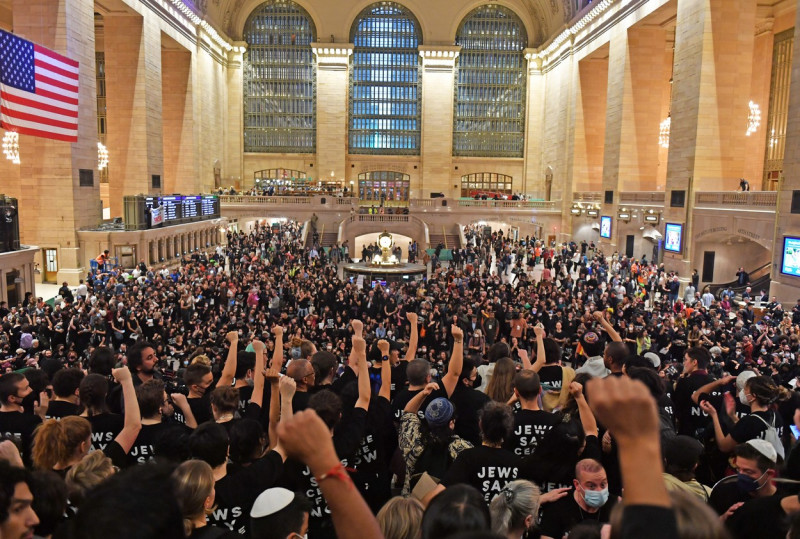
{"x":193,"y":485}
{"x":515,"y":509}
{"x":761,"y":394}
{"x":106,"y":426}
{"x":60,"y":444}
{"x":401,"y":518}
{"x":501,"y":384}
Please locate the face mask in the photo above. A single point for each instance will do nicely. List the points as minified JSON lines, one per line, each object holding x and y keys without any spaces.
{"x":747,"y":483}
{"x":743,"y":398}
{"x":478,"y":381}
{"x":596,"y":498}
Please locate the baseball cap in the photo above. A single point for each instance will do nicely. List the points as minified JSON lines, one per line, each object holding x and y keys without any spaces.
{"x":765,"y":448}
{"x":653,"y":358}
{"x":742,"y":378}
{"x":439,"y":412}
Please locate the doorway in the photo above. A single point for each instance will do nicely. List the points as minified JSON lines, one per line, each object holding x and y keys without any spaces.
{"x":50,"y":266}
{"x":629,"y":239}
{"x":708,"y":266}
{"x":12,"y":291}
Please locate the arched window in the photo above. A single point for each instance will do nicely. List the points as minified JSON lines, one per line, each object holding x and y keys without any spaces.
{"x":385,"y":81}
{"x":489,"y":118}
{"x":383,"y":186}
{"x":488,"y":184}
{"x":279,"y":80}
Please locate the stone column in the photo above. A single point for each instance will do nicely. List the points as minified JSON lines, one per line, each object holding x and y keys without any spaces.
{"x":787,"y":223}
{"x":52,"y":204}
{"x":333,"y":68}
{"x":438,"y":65}
{"x":233,"y":163}
{"x":177,"y":104}
{"x":133,"y":103}
{"x":533,"y":180}
{"x":710,"y":93}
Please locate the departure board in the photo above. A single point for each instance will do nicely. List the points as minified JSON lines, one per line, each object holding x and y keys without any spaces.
{"x":190,"y":207}
{"x":210,"y":205}
{"x":172,"y":209}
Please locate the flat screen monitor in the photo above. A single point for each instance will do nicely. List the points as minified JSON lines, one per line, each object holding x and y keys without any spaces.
{"x":605,"y":226}
{"x":790,"y":265}
{"x":673,"y":237}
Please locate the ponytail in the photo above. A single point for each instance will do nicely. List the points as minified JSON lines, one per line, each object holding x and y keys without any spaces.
{"x":55,"y":441}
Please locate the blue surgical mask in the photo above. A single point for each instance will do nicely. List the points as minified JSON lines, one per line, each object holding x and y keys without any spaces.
{"x":595,"y":498}
{"x":747,"y":483}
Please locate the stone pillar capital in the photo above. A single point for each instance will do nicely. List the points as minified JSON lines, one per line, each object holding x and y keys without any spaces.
{"x":333,"y":56}
{"x":439,"y":57}
{"x":534,"y":61}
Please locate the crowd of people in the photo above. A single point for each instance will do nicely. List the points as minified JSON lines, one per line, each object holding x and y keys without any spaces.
{"x":521,"y":390}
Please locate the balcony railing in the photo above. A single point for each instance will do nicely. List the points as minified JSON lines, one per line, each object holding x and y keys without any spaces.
{"x":753,"y":200}
{"x":379,"y":218}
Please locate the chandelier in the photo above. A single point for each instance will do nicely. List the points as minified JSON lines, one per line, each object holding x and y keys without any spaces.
{"x":663,"y":133}
{"x":102,"y":156}
{"x":11,"y":146}
{"x":753,"y":118}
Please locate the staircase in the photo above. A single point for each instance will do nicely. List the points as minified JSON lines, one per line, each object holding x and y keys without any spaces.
{"x":436,"y":239}
{"x":453,"y":241}
{"x":759,"y":280}
{"x":328,"y":239}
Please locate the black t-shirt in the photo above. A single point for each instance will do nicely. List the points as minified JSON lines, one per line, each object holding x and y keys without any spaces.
{"x":551,"y":378}
{"x":727,"y":493}
{"x":760,"y":517}
{"x":648,"y":521}
{"x":691,"y":418}
{"x":145,"y":447}
{"x":347,"y":436}
{"x":530,"y":426}
{"x":468,"y":403}
{"x":58,"y":409}
{"x":372,"y":458}
{"x":402,"y":398}
{"x":300,"y":401}
{"x":560,"y":516}
{"x":751,"y":427}
{"x":201,"y":407}
{"x":20,"y":426}
{"x":552,"y":475}
{"x":105,"y":427}
{"x":488,"y":469}
{"x":236,"y":492}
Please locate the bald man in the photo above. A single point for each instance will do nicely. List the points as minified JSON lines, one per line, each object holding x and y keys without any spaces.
{"x":302,"y":372}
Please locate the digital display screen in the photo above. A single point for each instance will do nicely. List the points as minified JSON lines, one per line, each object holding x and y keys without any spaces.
{"x":605,"y":226}
{"x":190,"y":207}
{"x":210,"y":206}
{"x":790,"y":265}
{"x":172,"y":209}
{"x":673,"y":237}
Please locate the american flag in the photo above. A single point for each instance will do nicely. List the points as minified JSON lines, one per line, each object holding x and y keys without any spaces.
{"x":38,"y":90}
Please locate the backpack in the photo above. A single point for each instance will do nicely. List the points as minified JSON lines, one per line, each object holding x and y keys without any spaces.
{"x":771,"y":435}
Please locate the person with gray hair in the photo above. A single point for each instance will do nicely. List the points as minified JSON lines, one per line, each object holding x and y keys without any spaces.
{"x":515,"y":509}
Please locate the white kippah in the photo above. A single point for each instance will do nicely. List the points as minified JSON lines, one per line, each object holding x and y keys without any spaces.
{"x":271,"y":501}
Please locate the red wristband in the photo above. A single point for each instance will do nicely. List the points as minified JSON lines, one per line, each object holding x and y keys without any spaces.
{"x":337,"y":472}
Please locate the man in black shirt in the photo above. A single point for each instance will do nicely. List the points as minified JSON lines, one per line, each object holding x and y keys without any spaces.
{"x":531,"y":423}
{"x":199,"y":380}
{"x":588,"y":501}
{"x":14,"y":423}
{"x":156,"y":435}
{"x":690,"y":417}
{"x":468,"y":401}
{"x":66,"y":383}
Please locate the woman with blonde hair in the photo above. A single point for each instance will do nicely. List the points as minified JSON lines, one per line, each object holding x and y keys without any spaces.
{"x":501,"y":384}
{"x":92,"y":470}
{"x":193,"y":485}
{"x":401,"y":518}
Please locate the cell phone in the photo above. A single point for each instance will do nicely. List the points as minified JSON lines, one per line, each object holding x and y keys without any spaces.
{"x":795,"y":431}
